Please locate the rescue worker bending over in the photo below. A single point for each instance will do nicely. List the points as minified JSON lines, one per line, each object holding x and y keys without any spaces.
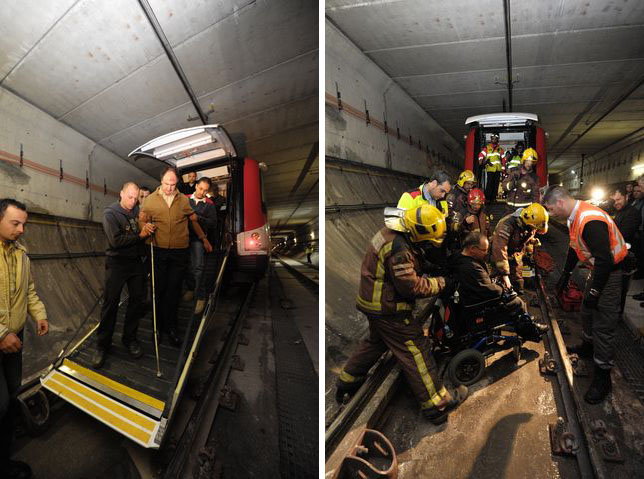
{"x":522,"y":184}
{"x":476,"y":287}
{"x":513,"y":157}
{"x":596,"y":241}
{"x":512,"y":235}
{"x":391,"y":279}
{"x":472,"y":216}
{"x":490,"y":159}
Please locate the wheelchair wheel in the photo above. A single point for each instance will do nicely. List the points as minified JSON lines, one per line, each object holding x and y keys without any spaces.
{"x":467,"y":367}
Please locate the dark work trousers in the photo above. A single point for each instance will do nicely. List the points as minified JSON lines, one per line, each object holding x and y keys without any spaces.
{"x":599,"y":324}
{"x":491,"y":185}
{"x":194,"y":277}
{"x":407,"y":342}
{"x":10,"y":377}
{"x":170,"y":266}
{"x":118,"y":272}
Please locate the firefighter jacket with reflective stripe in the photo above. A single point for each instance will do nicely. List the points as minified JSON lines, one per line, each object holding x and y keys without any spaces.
{"x":456,"y":199}
{"x":509,"y":239}
{"x":513,"y":162}
{"x":583,"y":213}
{"x":416,"y":198}
{"x":522,"y":187}
{"x":391,"y":278}
{"x":479,"y":222}
{"x":491,"y":157}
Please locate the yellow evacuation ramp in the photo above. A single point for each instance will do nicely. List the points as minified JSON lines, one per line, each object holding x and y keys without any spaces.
{"x":124,"y":419}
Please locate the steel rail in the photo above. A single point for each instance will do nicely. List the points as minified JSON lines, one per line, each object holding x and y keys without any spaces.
{"x":211,"y":396}
{"x":303,"y":278}
{"x":587,"y":459}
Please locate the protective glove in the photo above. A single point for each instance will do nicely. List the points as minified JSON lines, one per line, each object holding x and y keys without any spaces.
{"x":562,"y":284}
{"x":591,"y":300}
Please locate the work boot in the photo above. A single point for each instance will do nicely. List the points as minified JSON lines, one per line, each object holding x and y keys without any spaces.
{"x":585,"y":349}
{"x":98,"y":360}
{"x":345,"y":391}
{"x":134,"y":348}
{"x":201,"y":304}
{"x":15,"y":470}
{"x":600,"y":387}
{"x":188,"y":295}
{"x":439,"y":416}
{"x":543,"y":328}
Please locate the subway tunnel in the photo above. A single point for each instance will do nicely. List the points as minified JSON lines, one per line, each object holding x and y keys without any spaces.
{"x":83,"y":84}
{"x":401,"y":80}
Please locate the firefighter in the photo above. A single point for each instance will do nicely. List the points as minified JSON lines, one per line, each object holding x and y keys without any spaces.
{"x":457,"y":198}
{"x":513,"y":235}
{"x":513,"y":157}
{"x":522,"y":184}
{"x":391,"y":279}
{"x":596,"y":241}
{"x":472,"y":216}
{"x":491,"y":159}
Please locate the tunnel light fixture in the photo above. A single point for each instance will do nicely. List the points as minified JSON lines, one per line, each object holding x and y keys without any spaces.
{"x":573,"y":172}
{"x":177,"y":146}
{"x":638,"y":167}
{"x":312,"y":234}
{"x":597,"y":194}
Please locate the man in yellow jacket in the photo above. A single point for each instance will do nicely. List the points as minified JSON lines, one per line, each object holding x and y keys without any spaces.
{"x":17,"y":298}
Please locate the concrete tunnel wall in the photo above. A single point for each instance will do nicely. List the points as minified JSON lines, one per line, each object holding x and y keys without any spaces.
{"x":46,"y":141}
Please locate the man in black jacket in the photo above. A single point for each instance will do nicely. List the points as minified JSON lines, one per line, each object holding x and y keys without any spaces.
{"x":207,"y":216}
{"x":124,"y":264}
{"x":627,"y":218}
{"x":476,"y":287}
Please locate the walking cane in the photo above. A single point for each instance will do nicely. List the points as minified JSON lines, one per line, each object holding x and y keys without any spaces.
{"x":154,"y":309}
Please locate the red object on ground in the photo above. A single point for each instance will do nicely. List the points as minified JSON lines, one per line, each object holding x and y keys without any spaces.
{"x":544,"y":260}
{"x":570,"y":299}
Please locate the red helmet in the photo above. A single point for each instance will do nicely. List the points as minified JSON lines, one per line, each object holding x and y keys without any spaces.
{"x":476,"y":196}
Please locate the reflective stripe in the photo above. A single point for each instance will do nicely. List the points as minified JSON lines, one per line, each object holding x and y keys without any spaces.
{"x":585,"y":213}
{"x":403,"y":307}
{"x":375,"y":304}
{"x":434,"y":396}
{"x":348,"y":378}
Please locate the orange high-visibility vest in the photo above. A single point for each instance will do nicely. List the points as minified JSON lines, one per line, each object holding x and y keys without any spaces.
{"x":585,"y":213}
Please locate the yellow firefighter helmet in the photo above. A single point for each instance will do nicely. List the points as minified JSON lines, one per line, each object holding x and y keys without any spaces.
{"x":464,"y":177}
{"x":529,"y":155}
{"x":536,"y":216}
{"x":425,"y":223}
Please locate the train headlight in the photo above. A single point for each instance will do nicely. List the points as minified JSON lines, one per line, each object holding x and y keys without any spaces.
{"x":253,"y":242}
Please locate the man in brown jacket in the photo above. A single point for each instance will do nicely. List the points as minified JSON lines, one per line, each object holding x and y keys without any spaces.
{"x":391,"y":279}
{"x":170,"y":212}
{"x":17,"y":299}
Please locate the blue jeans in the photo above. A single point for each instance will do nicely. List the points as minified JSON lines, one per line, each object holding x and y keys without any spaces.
{"x":195,"y":275}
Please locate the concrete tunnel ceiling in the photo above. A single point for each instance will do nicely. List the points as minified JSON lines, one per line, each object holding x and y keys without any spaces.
{"x":100,"y":68}
{"x":573,"y":62}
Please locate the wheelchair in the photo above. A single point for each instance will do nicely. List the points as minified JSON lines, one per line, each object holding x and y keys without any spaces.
{"x":468,"y":335}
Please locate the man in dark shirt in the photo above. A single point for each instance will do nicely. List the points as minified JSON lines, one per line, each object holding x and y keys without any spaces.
{"x":124,"y":264}
{"x":595,"y":239}
{"x":474,"y":283}
{"x":188,"y":188}
{"x":207,"y":217}
{"x":626,"y":217}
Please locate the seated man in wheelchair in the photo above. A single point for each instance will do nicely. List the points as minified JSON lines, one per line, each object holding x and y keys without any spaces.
{"x":479,"y":297}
